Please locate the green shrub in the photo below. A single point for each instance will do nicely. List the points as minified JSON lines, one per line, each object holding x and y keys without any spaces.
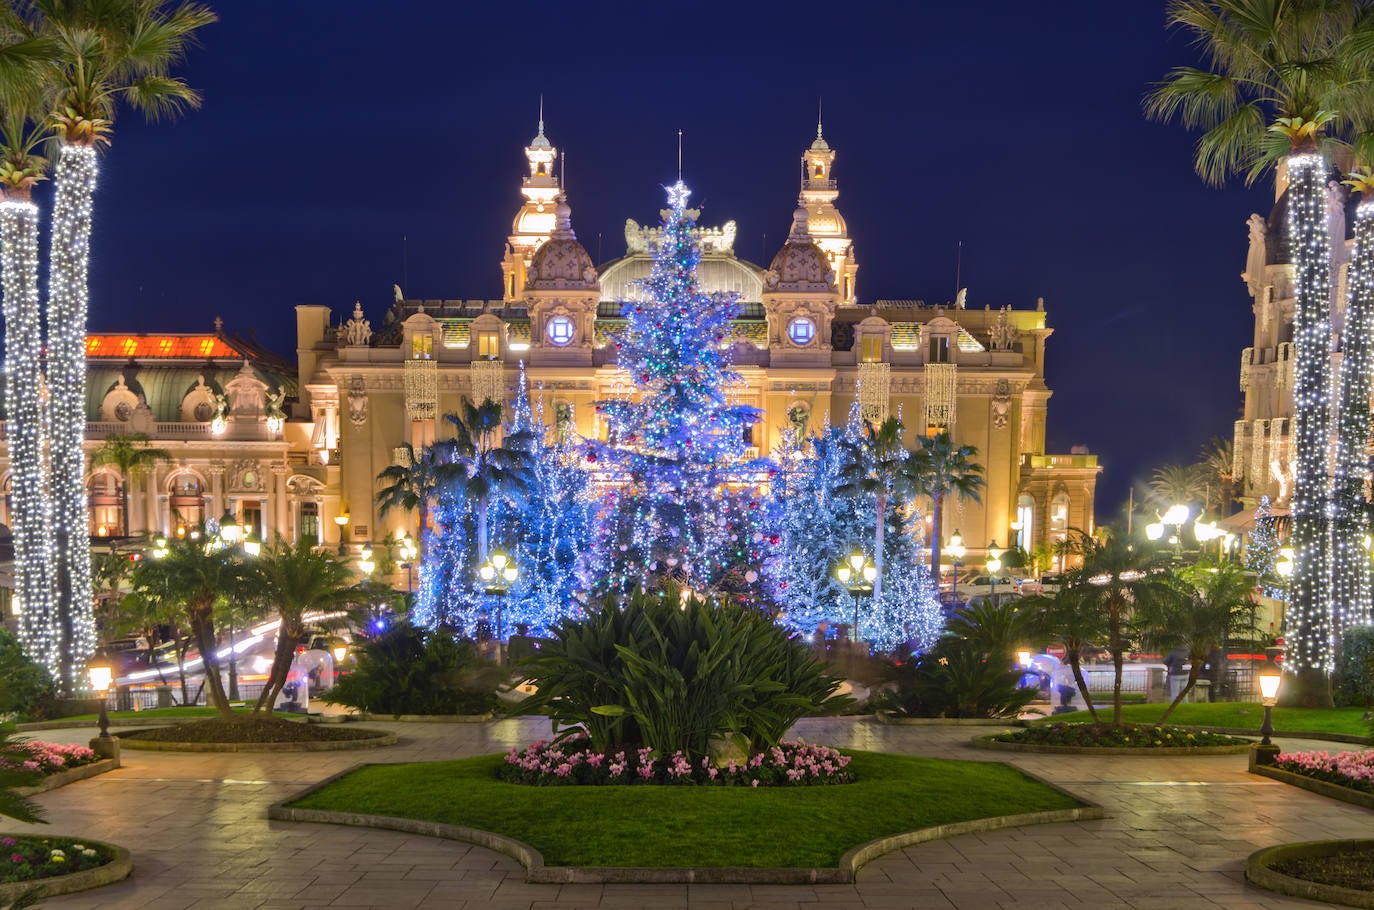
{"x":1355,"y":667}
{"x":673,"y":676}
{"x":409,"y":671}
{"x":956,"y":678}
{"x":25,"y":687}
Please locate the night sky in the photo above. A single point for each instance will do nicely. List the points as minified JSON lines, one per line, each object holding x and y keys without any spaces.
{"x":331,"y":130}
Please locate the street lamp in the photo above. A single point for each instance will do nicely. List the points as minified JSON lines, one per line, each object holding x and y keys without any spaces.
{"x":956,"y":549}
{"x":498,"y":573}
{"x":365,"y":563}
{"x":1265,"y":751}
{"x":1284,"y":564}
{"x":160,"y":550}
{"x":342,"y":521}
{"x":408,"y":554}
{"x":994,"y":565}
{"x":857,"y":574}
{"x":100,"y":672}
{"x":228,"y":529}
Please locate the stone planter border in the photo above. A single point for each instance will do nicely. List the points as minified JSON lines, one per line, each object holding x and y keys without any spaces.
{"x":428,"y":718}
{"x":536,"y":872}
{"x":90,"y":724}
{"x":987,"y":742}
{"x":1321,"y":787}
{"x":69,"y":776}
{"x":379,"y":739}
{"x":1258,"y":872}
{"x":894,"y":720}
{"x":115,"y":870}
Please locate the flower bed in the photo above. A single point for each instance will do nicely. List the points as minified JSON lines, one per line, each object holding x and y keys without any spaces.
{"x":31,"y":859}
{"x":1129,"y":736}
{"x":572,"y":762}
{"x":1345,"y":769}
{"x":46,"y":758}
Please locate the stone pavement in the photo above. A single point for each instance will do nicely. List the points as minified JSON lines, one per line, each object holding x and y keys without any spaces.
{"x":1177,"y":836}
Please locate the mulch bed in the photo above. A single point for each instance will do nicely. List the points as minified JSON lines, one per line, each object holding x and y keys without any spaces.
{"x":249,"y":730}
{"x":1351,"y":869}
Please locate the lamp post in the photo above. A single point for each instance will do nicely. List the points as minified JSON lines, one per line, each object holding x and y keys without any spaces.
{"x":994,"y":565}
{"x":498,"y":573}
{"x":342,"y":521}
{"x":100,"y":673}
{"x":229,"y":533}
{"x":857,"y":574}
{"x":1264,"y":752}
{"x":408,"y":554}
{"x":956,"y":549}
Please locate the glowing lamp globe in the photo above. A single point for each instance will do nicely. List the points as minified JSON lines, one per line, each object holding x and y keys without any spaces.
{"x":856,"y":559}
{"x":994,"y":564}
{"x":870,"y":573}
{"x":510,"y":573}
{"x":486,"y":571}
{"x":1023,"y":658}
{"x":340,"y":652}
{"x":843,"y":573}
{"x":1154,"y":530}
{"x":1269,"y":687}
{"x":100,"y":673}
{"x":1177,"y":515}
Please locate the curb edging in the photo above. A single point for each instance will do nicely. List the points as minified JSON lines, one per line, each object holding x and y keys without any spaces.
{"x":69,"y":776}
{"x":1320,"y":787}
{"x":538,"y":873}
{"x":987,"y":742}
{"x":383,"y":738}
{"x":117,"y":869}
{"x":893,"y":720}
{"x":1259,"y":873}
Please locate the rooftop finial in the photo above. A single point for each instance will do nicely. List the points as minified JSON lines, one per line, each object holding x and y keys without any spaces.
{"x":679,"y":156}
{"x":541,"y":113}
{"x":818,"y":118}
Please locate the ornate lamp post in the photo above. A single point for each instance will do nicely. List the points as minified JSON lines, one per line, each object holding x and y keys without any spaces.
{"x":365,"y":561}
{"x":498,"y":573}
{"x":408,"y":553}
{"x":100,"y":673}
{"x":857,"y":574}
{"x":229,"y":534}
{"x":342,"y":521}
{"x":1264,"y":752}
{"x":956,"y":549}
{"x":994,"y":565}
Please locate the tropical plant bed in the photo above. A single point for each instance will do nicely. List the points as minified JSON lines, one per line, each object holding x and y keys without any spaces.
{"x":57,"y":865}
{"x":1347,"y":776}
{"x":1338,"y":872}
{"x":1129,"y":739}
{"x":260,"y":734}
{"x":679,"y":827}
{"x":1243,"y":715}
{"x":573,"y":762}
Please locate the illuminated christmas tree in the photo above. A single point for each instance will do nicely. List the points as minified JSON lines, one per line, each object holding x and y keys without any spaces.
{"x":1261,"y":548}
{"x":680,"y":500}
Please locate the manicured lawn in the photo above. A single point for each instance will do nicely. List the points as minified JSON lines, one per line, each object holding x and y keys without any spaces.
{"x":694,"y":826}
{"x":160,"y":713}
{"x":1246,"y":715}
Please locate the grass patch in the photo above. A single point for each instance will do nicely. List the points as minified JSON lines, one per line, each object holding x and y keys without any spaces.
{"x":248,"y":730}
{"x":1237,"y":714}
{"x":1348,"y":869}
{"x":159,"y":713}
{"x":694,"y":826}
{"x":1127,"y":698}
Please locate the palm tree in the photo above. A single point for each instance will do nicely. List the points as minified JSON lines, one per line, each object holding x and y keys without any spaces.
{"x":1218,"y":469}
{"x":1177,"y":484}
{"x":1213,"y":603}
{"x":876,"y":465}
{"x":1070,"y":617}
{"x":1115,"y":580}
{"x":197,"y":574}
{"x":939,"y":469}
{"x":107,"y":54}
{"x":295,"y":579}
{"x":1278,"y":78}
{"x":485,"y":470}
{"x":130,"y":454}
{"x":414,"y":484}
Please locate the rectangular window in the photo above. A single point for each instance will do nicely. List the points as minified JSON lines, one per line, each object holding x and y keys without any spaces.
{"x":488,"y":346}
{"x":749,"y":435}
{"x":421,"y":347}
{"x":310,"y":524}
{"x":939,"y":349}
{"x":872,"y":349}
{"x":252,"y":518}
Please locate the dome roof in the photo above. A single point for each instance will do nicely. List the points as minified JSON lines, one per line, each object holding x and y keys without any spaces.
{"x":800,"y":265}
{"x":562,"y":263}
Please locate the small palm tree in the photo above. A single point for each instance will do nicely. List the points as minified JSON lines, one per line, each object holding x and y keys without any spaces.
{"x":485,"y":470}
{"x":414,"y":484}
{"x":130,"y":454}
{"x":197,"y":575}
{"x":1177,"y":484}
{"x":1072,"y":618}
{"x":1218,"y":468}
{"x":295,"y":580}
{"x":1116,"y":580}
{"x":876,"y":465}
{"x":940,"y":469}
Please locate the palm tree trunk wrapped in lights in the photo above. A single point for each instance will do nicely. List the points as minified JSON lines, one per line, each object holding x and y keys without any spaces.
{"x":39,"y":629}
{"x":67,"y":302}
{"x":1350,"y":583}
{"x":1309,"y":603}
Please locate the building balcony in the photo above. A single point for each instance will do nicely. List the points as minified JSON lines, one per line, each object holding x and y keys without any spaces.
{"x":1029,"y":460}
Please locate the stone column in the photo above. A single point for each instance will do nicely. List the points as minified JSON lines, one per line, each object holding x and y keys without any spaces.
{"x":216,"y":472}
{"x":283,"y":515}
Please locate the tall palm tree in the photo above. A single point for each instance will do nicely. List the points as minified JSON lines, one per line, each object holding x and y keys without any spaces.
{"x":294,"y":579}
{"x":30,"y":513}
{"x":197,"y":575}
{"x":1177,"y":484}
{"x":130,"y":454}
{"x":1218,"y":468}
{"x":940,"y":469}
{"x":1277,"y":83}
{"x":876,"y":465}
{"x":1213,"y":603}
{"x":1072,"y":618}
{"x":106,"y":54}
{"x":484,"y":469}
{"x":1117,"y":579}
{"x":413,"y":485}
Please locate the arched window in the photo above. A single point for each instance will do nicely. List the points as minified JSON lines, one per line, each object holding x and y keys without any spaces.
{"x":187,"y":500}
{"x":105,"y":510}
{"x":1025,"y":521}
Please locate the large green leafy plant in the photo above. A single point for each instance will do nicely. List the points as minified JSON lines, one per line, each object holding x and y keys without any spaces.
{"x":957,"y":678}
{"x":672,"y":675}
{"x":410,"y":671}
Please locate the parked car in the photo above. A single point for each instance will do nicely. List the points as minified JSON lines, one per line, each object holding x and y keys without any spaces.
{"x":1003,"y":597}
{"x":983,"y":584}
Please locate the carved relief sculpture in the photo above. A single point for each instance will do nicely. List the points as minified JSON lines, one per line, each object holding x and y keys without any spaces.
{"x":1004,"y":336}
{"x":357,"y":401}
{"x":1001,"y":404}
{"x":357,"y":332}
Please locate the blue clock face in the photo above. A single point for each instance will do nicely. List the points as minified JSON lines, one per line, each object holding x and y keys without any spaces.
{"x":560,"y":330}
{"x":801,"y":330}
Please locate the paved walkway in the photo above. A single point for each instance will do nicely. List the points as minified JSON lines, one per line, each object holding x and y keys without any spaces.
{"x":1177,"y":836}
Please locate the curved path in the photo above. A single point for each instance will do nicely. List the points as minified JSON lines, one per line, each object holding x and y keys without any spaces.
{"x":1177,"y":836}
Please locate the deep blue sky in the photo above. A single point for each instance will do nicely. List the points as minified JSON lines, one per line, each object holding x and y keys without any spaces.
{"x":330,"y":130}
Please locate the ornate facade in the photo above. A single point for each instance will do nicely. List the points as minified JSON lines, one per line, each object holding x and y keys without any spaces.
{"x":804,"y":344}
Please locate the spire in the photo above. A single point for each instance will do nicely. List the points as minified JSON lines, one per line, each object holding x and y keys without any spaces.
{"x":540,"y":141}
{"x":535,"y":219}
{"x":820,"y":144}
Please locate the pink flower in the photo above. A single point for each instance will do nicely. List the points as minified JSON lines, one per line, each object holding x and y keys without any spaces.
{"x":755,"y":783}
{"x":16,"y":857}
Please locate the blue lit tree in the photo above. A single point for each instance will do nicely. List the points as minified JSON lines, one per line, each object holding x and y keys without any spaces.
{"x":680,"y":501}
{"x":1261,"y":548}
